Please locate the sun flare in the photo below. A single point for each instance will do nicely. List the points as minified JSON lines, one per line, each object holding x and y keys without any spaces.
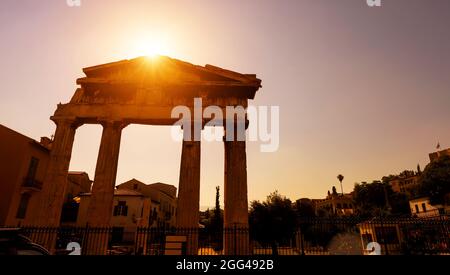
{"x":150,"y":47}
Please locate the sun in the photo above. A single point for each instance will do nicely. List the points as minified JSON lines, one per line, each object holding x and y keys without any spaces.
{"x":150,"y":47}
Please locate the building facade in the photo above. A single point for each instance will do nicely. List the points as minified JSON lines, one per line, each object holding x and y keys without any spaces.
{"x":79,"y":182}
{"x":405,"y":182}
{"x":23,"y":164}
{"x":23,"y":167}
{"x":131,"y":209}
{"x":422,"y":208}
{"x":334,"y":204}
{"x":135,"y":204}
{"x":163,"y":201}
{"x":435,"y":155}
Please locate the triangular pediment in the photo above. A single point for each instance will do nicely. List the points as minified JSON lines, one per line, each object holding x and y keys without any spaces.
{"x":164,"y":70}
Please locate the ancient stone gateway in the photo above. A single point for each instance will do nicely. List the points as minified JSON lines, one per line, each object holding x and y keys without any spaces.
{"x":144,"y":91}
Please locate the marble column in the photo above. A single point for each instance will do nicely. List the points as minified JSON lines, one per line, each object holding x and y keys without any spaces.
{"x":102,"y":194}
{"x":55,"y":183}
{"x":236,"y":241}
{"x":189,"y":192}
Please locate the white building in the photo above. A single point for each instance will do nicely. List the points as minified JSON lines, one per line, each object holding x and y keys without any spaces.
{"x":422,"y":208}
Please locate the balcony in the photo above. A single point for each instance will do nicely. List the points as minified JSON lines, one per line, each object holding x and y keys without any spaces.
{"x":32,"y":184}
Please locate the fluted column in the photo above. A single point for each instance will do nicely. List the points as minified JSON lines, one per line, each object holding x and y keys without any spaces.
{"x":189,"y":191}
{"x":101,"y":200}
{"x":55,"y":183}
{"x":236,"y":240}
{"x":102,"y":194}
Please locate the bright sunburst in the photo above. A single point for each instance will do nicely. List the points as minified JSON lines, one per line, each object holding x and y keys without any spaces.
{"x":150,"y":46}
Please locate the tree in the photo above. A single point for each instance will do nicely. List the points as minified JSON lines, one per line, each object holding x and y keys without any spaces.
{"x":341,"y":178}
{"x":273,"y":221}
{"x":213,"y":222}
{"x":217,"y":218}
{"x":387,"y":179}
{"x":205,"y":218}
{"x":399,"y":202}
{"x":304,"y":208}
{"x":373,"y":199}
{"x":369,"y":198}
{"x":435,"y":180}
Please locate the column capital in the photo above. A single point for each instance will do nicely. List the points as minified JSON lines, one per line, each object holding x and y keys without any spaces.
{"x":68,"y":121}
{"x":109,"y":123}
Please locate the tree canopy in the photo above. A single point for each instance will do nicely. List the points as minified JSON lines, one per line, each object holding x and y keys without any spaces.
{"x":375,"y":198}
{"x":304,"y":208}
{"x":272,"y":221}
{"x":435,"y":180}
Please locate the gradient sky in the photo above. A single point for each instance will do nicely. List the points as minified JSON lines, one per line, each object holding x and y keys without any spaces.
{"x":362,"y":91}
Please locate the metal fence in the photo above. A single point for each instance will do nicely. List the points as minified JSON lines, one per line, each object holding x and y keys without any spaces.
{"x":311,"y":236}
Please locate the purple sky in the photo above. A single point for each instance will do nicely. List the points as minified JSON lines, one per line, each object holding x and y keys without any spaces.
{"x":362,"y":91}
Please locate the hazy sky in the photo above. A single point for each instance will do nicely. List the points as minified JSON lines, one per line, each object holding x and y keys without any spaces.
{"x":362,"y":91}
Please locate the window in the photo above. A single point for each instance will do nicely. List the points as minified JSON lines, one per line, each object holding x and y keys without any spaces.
{"x":417,"y":208}
{"x":135,"y":186}
{"x":424,"y":208}
{"x":32,"y":168}
{"x":23,"y":205}
{"x":121,"y":209}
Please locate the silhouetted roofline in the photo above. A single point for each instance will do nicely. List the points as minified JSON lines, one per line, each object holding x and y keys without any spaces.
{"x":248,"y":79}
{"x":30,"y":140}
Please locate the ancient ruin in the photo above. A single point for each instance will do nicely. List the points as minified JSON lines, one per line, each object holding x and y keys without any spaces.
{"x":144,"y":91}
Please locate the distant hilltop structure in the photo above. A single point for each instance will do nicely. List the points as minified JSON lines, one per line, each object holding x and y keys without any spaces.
{"x":435,"y":155}
{"x":335,"y":204}
{"x":408,"y":180}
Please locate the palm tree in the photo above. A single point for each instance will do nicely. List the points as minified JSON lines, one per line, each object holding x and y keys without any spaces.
{"x":341,"y":178}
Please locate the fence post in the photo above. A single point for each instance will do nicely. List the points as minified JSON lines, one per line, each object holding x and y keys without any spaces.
{"x":85,"y":238}
{"x":136,"y":241}
{"x":384,"y":235}
{"x":445,"y":233}
{"x":302,"y":242}
{"x":235,"y":239}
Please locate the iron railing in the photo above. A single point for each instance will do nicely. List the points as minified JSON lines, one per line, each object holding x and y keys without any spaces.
{"x":311,"y":236}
